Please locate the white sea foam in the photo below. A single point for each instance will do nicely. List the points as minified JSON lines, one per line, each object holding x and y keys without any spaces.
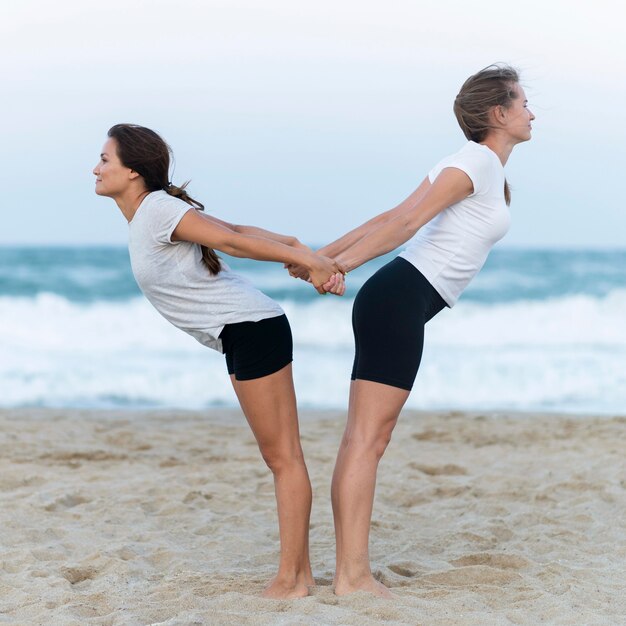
{"x":563,"y":354}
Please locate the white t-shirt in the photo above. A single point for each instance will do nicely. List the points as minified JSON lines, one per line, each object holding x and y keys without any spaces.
{"x":174,"y":279}
{"x":454,"y":245}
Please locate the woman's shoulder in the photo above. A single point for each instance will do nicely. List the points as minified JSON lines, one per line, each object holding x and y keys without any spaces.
{"x":477,"y":157}
{"x":160,"y":205}
{"x":477,"y":161}
{"x":159,"y":214}
{"x":477,"y":152}
{"x":162,"y":198}
{"x":471,"y":154}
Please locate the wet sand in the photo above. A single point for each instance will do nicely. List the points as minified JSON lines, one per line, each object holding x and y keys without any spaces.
{"x":168,"y":518}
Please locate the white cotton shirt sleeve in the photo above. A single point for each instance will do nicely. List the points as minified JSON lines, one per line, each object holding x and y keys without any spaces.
{"x":165,"y":219}
{"x":476,"y":164}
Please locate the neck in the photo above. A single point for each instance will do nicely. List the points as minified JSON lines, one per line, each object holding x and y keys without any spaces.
{"x":129,"y":201}
{"x":499,"y":144}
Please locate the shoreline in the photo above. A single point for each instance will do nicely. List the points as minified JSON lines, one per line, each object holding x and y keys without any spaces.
{"x":167,"y":517}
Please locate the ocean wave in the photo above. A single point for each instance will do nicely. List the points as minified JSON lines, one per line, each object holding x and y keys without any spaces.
{"x":565,"y":353}
{"x":103,"y":274}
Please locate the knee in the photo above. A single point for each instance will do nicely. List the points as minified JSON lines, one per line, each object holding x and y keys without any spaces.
{"x":279,"y":459}
{"x":380,"y":443}
{"x":371,"y":444}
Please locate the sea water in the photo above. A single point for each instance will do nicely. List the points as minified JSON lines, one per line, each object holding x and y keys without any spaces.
{"x":540,"y":330}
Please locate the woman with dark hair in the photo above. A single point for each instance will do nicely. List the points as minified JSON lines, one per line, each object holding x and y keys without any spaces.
{"x":171,"y":245}
{"x":455,"y":216}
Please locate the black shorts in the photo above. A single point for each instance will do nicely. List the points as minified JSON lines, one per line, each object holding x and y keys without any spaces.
{"x":257,"y":349}
{"x":388,"y":320}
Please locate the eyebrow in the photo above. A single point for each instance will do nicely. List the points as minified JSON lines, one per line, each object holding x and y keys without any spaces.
{"x":103,"y":154}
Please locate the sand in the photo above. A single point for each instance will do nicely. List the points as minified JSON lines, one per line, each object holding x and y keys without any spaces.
{"x":141,"y":518}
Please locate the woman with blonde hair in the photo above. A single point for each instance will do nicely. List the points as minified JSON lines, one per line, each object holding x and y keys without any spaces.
{"x":455,"y":216}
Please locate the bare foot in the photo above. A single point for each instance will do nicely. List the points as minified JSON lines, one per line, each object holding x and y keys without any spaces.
{"x":281,"y":590}
{"x":369,"y":584}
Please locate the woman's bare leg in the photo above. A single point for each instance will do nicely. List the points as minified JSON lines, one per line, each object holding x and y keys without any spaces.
{"x":269,"y":404}
{"x":372,"y":415}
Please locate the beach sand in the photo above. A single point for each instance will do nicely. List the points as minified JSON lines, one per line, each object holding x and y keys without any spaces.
{"x":168,"y":518}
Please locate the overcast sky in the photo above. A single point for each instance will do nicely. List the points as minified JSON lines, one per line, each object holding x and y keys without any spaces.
{"x":306,"y":118}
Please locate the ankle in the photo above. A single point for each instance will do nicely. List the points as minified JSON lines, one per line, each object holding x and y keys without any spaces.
{"x":294,"y":576}
{"x":354,"y":573}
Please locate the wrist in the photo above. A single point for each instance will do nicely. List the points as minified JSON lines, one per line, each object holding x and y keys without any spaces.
{"x":311,"y":260}
{"x":344,"y":263}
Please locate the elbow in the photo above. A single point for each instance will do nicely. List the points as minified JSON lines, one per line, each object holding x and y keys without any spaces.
{"x":403,"y":232}
{"x":232,"y":250}
{"x":229,"y":243}
{"x":410,"y":227}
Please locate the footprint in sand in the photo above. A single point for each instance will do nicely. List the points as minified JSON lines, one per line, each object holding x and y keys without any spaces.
{"x":126,"y":553}
{"x":439,"y":470}
{"x":407,"y":570}
{"x":472,"y":575}
{"x":401,"y":574}
{"x":79,"y":573}
{"x":432,"y":435}
{"x":497,"y":560}
{"x":73,"y":458}
{"x":197,"y":498}
{"x":67,"y":501}
{"x":481,"y":568}
{"x":170,"y":462}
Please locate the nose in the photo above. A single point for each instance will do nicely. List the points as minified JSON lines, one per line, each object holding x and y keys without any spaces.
{"x":532,"y":115}
{"x":95,"y":170}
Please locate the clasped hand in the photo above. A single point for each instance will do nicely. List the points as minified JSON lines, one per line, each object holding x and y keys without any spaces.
{"x":328,"y":278}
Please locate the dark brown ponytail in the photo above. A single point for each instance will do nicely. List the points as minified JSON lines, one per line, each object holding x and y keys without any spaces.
{"x":144,"y":151}
{"x":209,"y":258}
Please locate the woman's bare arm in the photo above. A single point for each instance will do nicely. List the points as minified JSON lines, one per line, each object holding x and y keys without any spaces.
{"x":212,"y":233}
{"x":451,"y":186}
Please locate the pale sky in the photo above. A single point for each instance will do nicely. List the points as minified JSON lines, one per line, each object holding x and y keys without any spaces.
{"x":306,"y":118}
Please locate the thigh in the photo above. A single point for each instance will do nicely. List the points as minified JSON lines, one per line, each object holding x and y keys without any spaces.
{"x":373,"y":411}
{"x":269,"y":404}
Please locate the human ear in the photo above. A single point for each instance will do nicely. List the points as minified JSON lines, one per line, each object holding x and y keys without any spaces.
{"x":498,"y":114}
